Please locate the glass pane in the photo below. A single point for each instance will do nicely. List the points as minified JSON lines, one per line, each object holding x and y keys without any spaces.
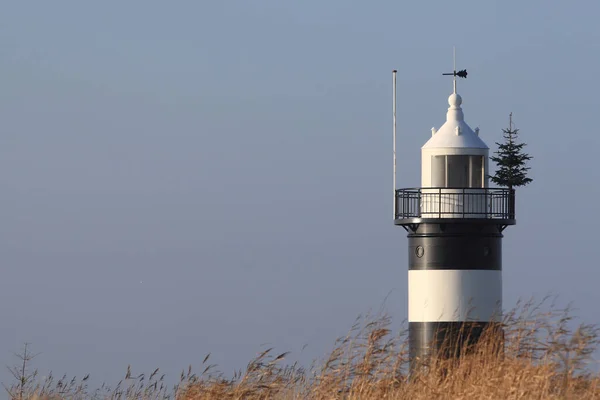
{"x":458,"y":171}
{"x":438,"y":171}
{"x":476,"y":171}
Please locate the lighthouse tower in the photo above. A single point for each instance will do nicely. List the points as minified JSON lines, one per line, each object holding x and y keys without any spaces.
{"x":454,"y":223}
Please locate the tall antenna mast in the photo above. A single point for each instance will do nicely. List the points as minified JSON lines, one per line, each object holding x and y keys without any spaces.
{"x":394,"y":136}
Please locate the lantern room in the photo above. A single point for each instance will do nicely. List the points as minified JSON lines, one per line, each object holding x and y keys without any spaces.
{"x":454,"y":156}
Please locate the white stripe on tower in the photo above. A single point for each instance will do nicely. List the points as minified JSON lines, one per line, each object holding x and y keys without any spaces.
{"x":442,"y":295}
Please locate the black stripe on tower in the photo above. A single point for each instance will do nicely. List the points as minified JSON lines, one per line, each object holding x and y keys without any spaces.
{"x":447,"y":339}
{"x":456,"y":247}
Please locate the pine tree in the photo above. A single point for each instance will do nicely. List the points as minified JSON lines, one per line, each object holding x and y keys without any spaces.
{"x":511,"y":161}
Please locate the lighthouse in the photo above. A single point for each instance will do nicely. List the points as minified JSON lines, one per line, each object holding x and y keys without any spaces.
{"x":455,"y":225}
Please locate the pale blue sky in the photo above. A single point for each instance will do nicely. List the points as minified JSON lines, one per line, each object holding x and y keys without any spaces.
{"x":235,"y":156}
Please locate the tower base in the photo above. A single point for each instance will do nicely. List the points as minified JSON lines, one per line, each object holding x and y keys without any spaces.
{"x":455,"y":287}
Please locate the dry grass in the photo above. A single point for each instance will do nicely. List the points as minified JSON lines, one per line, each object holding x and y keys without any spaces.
{"x":544,"y":355}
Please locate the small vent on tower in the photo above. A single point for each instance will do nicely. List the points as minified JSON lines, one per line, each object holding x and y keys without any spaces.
{"x":457,"y":130}
{"x":433,"y":131}
{"x":477,"y":131}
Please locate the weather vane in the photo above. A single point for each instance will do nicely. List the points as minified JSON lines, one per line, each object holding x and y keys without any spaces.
{"x":461,"y":74}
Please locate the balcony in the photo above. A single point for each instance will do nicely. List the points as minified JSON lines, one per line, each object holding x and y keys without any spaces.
{"x":417,"y":205}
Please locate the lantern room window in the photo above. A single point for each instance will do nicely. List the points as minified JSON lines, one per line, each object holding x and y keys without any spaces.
{"x":457,"y":171}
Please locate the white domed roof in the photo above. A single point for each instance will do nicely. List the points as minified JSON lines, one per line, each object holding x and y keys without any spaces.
{"x":455,"y":132}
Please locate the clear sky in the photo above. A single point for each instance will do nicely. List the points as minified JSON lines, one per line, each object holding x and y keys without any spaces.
{"x":188,"y":177}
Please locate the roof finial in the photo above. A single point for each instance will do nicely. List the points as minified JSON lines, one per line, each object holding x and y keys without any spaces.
{"x":454,"y":65}
{"x":460,"y":74}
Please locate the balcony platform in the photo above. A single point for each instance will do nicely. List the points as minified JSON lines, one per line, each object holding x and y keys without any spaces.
{"x":415,"y":206}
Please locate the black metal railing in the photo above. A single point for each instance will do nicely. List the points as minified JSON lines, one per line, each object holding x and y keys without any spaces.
{"x":440,"y":202}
